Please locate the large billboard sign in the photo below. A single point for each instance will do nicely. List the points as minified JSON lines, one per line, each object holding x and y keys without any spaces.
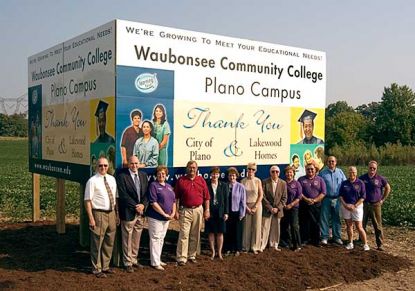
{"x":180,"y":95}
{"x":66,"y":84}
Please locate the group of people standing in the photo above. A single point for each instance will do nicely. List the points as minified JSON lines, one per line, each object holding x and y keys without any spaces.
{"x":245,"y":216}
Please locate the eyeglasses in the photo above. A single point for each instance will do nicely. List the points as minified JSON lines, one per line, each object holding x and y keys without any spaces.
{"x":251,"y":169}
{"x":103,"y":166}
{"x":331,"y":161}
{"x":274,"y":171}
{"x":372,"y":168}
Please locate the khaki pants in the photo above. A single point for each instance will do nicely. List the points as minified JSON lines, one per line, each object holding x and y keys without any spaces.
{"x":102,"y":240}
{"x":374,"y":212}
{"x":270,"y":231}
{"x":131,"y":235}
{"x":251,"y":239}
{"x":190,"y":221}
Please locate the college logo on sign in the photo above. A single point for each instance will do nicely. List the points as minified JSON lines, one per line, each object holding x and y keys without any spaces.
{"x":146,"y":82}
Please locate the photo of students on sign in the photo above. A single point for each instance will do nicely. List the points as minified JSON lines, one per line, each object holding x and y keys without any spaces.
{"x":130,"y":136}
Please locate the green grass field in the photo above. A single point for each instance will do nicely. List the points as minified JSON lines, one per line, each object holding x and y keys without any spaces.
{"x":16,"y":186}
{"x":16,"y":195}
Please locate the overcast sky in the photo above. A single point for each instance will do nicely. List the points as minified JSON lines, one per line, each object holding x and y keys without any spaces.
{"x":369,"y":44}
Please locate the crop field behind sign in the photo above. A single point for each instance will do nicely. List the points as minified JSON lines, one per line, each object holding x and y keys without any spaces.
{"x":16,"y":189}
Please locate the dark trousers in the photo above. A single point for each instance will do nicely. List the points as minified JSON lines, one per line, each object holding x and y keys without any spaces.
{"x":290,"y":229}
{"x":233,"y":235}
{"x":374,"y":212}
{"x":309,"y":216}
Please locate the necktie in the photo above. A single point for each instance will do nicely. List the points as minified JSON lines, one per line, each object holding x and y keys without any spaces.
{"x":137,"y":185}
{"x":111,"y":197}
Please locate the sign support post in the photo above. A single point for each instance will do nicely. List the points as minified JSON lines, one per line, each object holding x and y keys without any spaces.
{"x":36,"y":197}
{"x":83,"y":219}
{"x":60,"y":206}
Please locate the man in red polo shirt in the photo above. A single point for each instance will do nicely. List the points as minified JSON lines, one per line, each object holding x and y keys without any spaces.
{"x":191,"y":195}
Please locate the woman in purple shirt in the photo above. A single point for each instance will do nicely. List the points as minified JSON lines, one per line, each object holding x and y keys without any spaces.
{"x":162,"y":209}
{"x":352,"y":194}
{"x":237,"y":200}
{"x":289,"y":222}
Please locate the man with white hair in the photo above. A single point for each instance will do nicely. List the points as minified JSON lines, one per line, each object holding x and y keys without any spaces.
{"x":101,"y":208}
{"x":275,"y":197}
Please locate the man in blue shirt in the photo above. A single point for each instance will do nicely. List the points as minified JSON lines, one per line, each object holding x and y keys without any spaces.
{"x":330,"y":206}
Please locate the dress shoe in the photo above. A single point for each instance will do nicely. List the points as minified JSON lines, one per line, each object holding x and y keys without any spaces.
{"x":181,"y":263}
{"x":283,"y":244}
{"x":109,"y":271}
{"x":193,"y":260}
{"x":100,"y":275}
{"x":129,"y":269}
{"x":138,"y":266}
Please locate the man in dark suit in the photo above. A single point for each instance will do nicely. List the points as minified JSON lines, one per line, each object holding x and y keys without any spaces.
{"x":275,"y":197}
{"x":132,"y":187}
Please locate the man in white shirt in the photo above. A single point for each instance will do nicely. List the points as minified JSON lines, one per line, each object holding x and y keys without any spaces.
{"x":100,"y":204}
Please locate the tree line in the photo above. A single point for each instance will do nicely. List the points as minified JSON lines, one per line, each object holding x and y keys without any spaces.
{"x":13,"y":125}
{"x":383,"y":130}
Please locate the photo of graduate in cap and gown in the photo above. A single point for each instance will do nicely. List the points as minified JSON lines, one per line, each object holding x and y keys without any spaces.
{"x":101,"y":115}
{"x":307,"y":127}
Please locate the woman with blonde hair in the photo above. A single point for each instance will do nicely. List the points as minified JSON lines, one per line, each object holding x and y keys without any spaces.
{"x":252,"y":223}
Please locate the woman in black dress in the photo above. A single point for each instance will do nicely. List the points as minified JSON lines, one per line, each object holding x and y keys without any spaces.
{"x":219,"y":209}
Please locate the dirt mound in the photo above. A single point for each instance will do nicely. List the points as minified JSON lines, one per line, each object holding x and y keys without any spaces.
{"x":34,"y":256}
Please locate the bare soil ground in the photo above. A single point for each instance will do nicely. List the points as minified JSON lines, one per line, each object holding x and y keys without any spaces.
{"x":34,"y":257}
